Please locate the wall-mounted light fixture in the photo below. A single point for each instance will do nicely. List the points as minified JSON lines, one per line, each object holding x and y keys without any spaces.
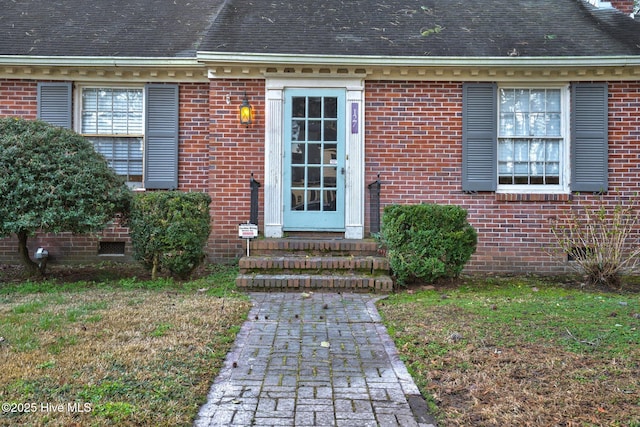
{"x":246,"y":112}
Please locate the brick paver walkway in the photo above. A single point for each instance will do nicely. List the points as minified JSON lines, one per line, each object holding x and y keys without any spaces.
{"x":318,"y":359}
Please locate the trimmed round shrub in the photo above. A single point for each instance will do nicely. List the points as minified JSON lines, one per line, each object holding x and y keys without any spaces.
{"x":169,"y":230}
{"x":427,"y":241}
{"x":51,"y":181}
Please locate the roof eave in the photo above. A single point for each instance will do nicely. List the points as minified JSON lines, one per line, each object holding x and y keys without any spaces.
{"x":100,"y":61}
{"x":418,"y":61}
{"x":86,"y":68}
{"x":248,"y":65}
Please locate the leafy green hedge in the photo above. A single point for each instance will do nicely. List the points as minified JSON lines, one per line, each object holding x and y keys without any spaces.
{"x":169,"y":230}
{"x":427,"y":241}
{"x":52,"y":180}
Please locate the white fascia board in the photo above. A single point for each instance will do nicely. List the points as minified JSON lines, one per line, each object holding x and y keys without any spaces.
{"x":99,"y":61}
{"x":422,"y":61}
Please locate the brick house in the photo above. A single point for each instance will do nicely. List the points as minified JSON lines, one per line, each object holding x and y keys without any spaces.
{"x":514,"y":110}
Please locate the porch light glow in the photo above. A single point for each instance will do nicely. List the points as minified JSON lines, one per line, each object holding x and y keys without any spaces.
{"x":246,"y":112}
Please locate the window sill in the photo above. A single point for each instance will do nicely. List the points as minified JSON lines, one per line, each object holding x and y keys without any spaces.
{"x":532,"y":197}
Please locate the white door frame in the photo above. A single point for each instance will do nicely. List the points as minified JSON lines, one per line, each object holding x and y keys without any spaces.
{"x":274,"y":151}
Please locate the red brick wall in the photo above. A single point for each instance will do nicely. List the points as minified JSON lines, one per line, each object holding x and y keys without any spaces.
{"x":236,"y":152}
{"x":18,"y":98}
{"x":624,"y":6}
{"x":414,"y":140}
{"x":193,"y":164}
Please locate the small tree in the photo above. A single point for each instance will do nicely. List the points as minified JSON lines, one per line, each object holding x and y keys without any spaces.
{"x":52,"y":180}
{"x":602,"y":240}
{"x":169,"y":230}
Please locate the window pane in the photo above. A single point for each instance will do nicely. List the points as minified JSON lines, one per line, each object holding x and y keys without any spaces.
{"x":297,"y":153}
{"x":522,"y":124}
{"x":553,"y":151}
{"x":537,"y":100}
{"x":505,"y":150}
{"x":89,"y":122}
{"x":507,"y":124}
{"x":313,"y":200}
{"x":331,"y":107}
{"x":330,"y":200}
{"x":508,"y":180}
{"x":136,"y":150}
{"x":90,"y":99}
{"x":522,"y":168}
{"x":315,"y":133}
{"x":330,"y":156}
{"x":553,"y":101}
{"x":315,"y":107}
{"x":505,"y":168}
{"x":522,"y":100}
{"x":538,"y":125}
{"x":314,"y":177}
{"x":119,"y":123}
{"x":536,"y":151}
{"x":297,"y":200}
{"x":105,"y":123}
{"x":521,"y":150}
{"x":314,"y":154}
{"x":105,"y":100}
{"x":553,"y":124}
{"x":121,"y":149}
{"x":297,"y":130}
{"x":329,"y":177}
{"x":537,"y":169}
{"x":330,"y":130}
{"x":507,"y":100}
{"x":297,"y":177}
{"x":299,"y":106}
{"x":121,"y":101}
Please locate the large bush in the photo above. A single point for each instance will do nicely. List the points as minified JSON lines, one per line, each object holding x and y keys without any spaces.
{"x":169,"y":230}
{"x":427,"y":241}
{"x":52,"y":180}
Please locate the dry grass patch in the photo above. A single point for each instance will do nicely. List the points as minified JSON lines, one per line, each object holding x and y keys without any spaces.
{"x":112,"y":357}
{"x":484,"y":356}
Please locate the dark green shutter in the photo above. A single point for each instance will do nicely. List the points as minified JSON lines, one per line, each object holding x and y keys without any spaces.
{"x":589,"y":141}
{"x":54,"y":103}
{"x":161,"y":137}
{"x":479,"y":137}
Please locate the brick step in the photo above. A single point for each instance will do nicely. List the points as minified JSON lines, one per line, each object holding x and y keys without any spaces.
{"x":341,"y":247}
{"x":313,"y":263}
{"x":315,"y":282}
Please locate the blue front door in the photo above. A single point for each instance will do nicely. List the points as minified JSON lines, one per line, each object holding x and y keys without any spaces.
{"x":314,"y":151}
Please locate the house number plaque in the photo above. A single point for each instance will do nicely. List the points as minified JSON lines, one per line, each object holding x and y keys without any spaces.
{"x":354,"y":117}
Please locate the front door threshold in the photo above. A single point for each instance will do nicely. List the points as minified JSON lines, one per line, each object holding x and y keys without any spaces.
{"x":350,"y":232}
{"x":315,"y":235}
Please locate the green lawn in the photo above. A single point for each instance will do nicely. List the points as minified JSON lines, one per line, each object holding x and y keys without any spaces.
{"x":521,"y":352}
{"x":121,"y":351}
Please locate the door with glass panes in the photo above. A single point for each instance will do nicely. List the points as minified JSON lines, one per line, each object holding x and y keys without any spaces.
{"x":314,"y":159}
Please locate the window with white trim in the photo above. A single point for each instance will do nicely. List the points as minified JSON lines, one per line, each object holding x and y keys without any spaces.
{"x":532,"y":138}
{"x":112,"y":118}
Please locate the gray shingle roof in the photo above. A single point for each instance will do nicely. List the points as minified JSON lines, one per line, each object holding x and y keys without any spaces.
{"x":180,"y":28}
{"x":424,"y":28}
{"x":138,"y":28}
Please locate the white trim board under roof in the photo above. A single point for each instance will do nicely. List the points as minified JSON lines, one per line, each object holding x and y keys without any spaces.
{"x":102,"y":68}
{"x":245,"y":65}
{"x":601,"y":4}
